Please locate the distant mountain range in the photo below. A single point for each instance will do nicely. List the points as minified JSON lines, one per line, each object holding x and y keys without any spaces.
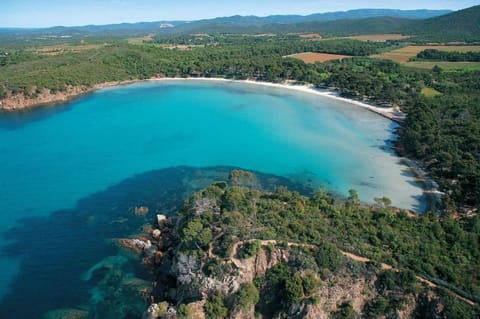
{"x":240,"y":21}
{"x":433,"y":25}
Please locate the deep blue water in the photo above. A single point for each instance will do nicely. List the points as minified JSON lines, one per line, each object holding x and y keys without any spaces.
{"x":70,"y":175}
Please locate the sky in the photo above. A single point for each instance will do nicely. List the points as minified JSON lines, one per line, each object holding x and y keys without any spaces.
{"x":45,"y":13}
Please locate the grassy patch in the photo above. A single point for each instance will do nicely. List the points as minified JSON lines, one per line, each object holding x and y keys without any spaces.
{"x":64,"y":48}
{"x":379,"y":37}
{"x":429,"y":92}
{"x":140,"y":40}
{"x":446,"y":66}
{"x":404,"y":54}
{"x":314,"y":57}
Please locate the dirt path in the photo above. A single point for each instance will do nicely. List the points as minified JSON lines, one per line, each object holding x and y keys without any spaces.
{"x":351,"y":256}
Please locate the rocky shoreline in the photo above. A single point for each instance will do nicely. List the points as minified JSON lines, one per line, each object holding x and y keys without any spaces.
{"x":48,"y":97}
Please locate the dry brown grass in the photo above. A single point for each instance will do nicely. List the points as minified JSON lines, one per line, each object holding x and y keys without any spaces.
{"x":379,"y":37}
{"x":141,"y":40}
{"x":310,"y":36}
{"x":403,"y":55}
{"x":61,"y":48}
{"x":313,"y":57}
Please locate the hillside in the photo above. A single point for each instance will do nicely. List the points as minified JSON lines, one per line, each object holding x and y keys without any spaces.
{"x":233,"y":24}
{"x":460,"y":26}
{"x":237,"y":252}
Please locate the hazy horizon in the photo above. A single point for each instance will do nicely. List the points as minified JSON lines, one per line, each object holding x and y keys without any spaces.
{"x":34,"y":14}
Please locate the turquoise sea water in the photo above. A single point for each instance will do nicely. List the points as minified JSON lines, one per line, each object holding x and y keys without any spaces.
{"x":68,"y":172}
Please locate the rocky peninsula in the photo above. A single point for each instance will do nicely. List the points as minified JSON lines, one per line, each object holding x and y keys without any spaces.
{"x":237,"y":252}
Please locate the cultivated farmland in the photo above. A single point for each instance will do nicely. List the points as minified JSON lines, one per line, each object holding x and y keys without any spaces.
{"x":314,"y":57}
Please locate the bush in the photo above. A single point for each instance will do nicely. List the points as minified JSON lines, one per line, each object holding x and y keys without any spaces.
{"x":249,"y":249}
{"x":377,"y":307}
{"x":345,"y":311}
{"x":247,"y":296}
{"x":310,"y":284}
{"x":294,"y":289}
{"x":215,"y":307}
{"x":328,"y":256}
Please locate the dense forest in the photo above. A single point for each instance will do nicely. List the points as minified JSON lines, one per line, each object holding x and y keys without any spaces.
{"x":444,"y":132}
{"x":452,"y":56}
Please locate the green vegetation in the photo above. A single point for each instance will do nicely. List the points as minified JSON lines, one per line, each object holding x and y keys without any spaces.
{"x":451,"y":56}
{"x":443,"y":132}
{"x":283,"y":285}
{"x":247,"y":296}
{"x":328,"y":256}
{"x":215,"y":307}
{"x":249,"y":249}
{"x":247,"y":59}
{"x":459,"y":26}
{"x":429,"y":92}
{"x":446,"y":66}
{"x":439,"y":92}
{"x":439,"y":247}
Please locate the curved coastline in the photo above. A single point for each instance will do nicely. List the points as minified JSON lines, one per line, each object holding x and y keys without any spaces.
{"x":21,"y":102}
{"x":431,"y":193}
{"x":388,"y":112}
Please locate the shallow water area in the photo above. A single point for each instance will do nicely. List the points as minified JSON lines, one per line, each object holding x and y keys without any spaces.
{"x":53,"y":157}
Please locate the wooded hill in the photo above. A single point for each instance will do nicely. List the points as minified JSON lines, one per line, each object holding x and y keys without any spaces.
{"x":332,"y":23}
{"x":461,"y":26}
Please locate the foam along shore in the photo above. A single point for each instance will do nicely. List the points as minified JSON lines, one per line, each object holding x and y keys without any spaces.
{"x":388,"y":112}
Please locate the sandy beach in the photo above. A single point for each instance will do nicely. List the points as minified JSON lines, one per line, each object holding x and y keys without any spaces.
{"x":20,"y":102}
{"x":388,"y":112}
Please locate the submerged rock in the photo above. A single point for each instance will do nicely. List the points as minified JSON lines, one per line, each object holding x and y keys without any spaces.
{"x":66,"y":314}
{"x":141,"y":210}
{"x":109,"y":262}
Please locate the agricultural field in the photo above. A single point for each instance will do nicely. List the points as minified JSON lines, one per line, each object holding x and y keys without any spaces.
{"x":141,"y":40}
{"x":403,"y":55}
{"x":314,"y":57}
{"x":446,"y":66}
{"x":310,"y":36}
{"x":62,"y":48}
{"x":379,"y":37}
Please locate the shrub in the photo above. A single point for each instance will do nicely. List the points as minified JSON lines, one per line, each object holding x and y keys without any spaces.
{"x":247,"y":296}
{"x":215,"y":307}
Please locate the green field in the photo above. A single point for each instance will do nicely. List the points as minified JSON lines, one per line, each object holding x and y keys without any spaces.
{"x":429,"y":92}
{"x":447,"y":66}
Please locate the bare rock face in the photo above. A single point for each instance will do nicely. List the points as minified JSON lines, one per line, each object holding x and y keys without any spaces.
{"x":357,"y":291}
{"x":152,"y":312}
{"x":44,"y":96}
{"x":161,"y":220}
{"x":156,"y":233}
{"x":194,"y":284}
{"x":205,"y":204}
{"x":243,"y":314}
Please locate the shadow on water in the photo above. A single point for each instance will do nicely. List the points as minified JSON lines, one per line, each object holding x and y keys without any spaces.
{"x":69,"y":261}
{"x":13,"y":120}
